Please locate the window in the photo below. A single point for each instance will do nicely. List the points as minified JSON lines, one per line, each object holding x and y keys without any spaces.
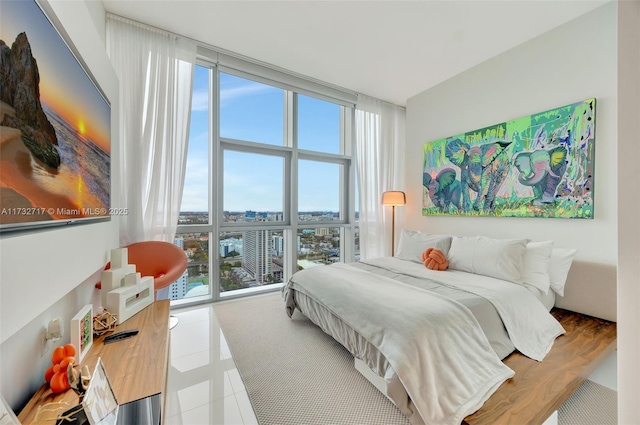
{"x":192,"y":237}
{"x":253,"y":187}
{"x":269,"y":180}
{"x":319,"y":190}
{"x":251,"y":111}
{"x":320,"y":245}
{"x":197,"y":181}
{"x":318,"y":125}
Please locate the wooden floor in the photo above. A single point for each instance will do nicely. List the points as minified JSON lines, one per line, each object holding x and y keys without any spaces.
{"x":539,"y":388}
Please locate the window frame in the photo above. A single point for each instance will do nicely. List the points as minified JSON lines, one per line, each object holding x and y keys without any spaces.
{"x":291,"y":156}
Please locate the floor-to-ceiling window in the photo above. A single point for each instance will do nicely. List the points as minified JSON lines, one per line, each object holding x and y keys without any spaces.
{"x":269,"y":187}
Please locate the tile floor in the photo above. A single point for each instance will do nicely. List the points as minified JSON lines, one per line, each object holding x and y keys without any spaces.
{"x":205,"y":386}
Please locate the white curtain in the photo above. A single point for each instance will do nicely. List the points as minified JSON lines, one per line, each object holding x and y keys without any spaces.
{"x":155,"y":69}
{"x":380,"y":141}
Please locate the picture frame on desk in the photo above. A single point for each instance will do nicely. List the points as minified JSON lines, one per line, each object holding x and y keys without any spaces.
{"x":82,"y":331}
{"x":99,"y":402}
{"x":99,"y":405}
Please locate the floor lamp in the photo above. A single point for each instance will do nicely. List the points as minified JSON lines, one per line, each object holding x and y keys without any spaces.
{"x":393,"y":198}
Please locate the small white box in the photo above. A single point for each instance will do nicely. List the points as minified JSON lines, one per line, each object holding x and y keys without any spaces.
{"x":126,"y":301}
{"x":119,"y":257}
{"x":132,"y":279}
{"x":112,"y":279}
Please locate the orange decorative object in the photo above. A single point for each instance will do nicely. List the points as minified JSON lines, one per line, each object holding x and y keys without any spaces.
{"x":56,"y":374}
{"x":434,"y":259}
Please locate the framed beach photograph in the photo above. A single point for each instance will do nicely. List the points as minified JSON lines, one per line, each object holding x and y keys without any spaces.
{"x":55,"y":126}
{"x":82,"y":331}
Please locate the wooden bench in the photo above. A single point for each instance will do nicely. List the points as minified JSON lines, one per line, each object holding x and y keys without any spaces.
{"x":539,"y":388}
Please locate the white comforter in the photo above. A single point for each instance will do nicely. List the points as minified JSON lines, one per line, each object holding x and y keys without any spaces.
{"x":434,"y":344}
{"x":530,"y":326}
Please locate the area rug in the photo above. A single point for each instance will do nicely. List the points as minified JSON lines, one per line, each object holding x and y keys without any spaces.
{"x":592,"y":403}
{"x":296,"y":374}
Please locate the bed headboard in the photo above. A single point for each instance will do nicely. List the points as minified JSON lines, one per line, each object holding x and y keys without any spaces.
{"x":591,"y":289}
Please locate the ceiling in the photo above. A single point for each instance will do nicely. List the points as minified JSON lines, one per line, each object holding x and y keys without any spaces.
{"x":391,"y":50}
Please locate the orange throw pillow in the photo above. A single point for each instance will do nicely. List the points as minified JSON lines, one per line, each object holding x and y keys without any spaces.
{"x":434,"y":259}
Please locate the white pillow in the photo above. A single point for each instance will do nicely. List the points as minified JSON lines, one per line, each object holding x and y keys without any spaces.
{"x":535,"y":266}
{"x":499,"y":258}
{"x":559,"y":265}
{"x":413,"y":244}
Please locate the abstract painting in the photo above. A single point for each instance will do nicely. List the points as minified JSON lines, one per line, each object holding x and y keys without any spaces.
{"x":541,"y":165}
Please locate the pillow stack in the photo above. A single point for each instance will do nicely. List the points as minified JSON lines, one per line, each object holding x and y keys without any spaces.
{"x":559,"y":265}
{"x":546,"y":267}
{"x":499,"y":258}
{"x":413,"y":244}
{"x":531,"y":264}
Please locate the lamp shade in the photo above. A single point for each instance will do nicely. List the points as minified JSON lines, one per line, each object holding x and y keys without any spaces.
{"x":393,"y":198}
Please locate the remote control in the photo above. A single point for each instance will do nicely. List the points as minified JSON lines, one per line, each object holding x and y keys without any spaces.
{"x":118,"y":336}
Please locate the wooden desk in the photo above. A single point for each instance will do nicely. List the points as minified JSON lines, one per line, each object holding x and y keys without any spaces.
{"x":137,"y":367}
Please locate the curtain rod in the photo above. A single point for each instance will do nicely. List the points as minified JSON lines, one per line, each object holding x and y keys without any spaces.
{"x":244,"y":58}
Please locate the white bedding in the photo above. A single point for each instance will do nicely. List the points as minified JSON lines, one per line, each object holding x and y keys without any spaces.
{"x":428,"y":394}
{"x":530,"y":326}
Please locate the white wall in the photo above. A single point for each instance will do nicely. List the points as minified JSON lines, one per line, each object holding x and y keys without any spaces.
{"x":628,"y":211}
{"x":568,"y":64}
{"x":99,"y":17}
{"x":51,"y":273}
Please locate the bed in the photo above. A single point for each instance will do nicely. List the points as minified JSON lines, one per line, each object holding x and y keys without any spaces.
{"x":434,"y":338}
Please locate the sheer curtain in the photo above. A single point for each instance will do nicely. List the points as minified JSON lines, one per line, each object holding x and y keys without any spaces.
{"x":155,"y":69}
{"x":380,"y":141}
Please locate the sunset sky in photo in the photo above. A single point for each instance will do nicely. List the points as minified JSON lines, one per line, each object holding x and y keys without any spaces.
{"x":64,"y":86}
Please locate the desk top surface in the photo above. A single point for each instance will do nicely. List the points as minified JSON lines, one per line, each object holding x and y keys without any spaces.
{"x":136,"y":367}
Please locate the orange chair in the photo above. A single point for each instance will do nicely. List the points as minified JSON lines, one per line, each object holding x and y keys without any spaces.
{"x":164,"y":261}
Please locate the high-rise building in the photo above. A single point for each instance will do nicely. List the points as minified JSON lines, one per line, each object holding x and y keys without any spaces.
{"x":322,"y":231}
{"x":230,"y":244}
{"x":258,"y":253}
{"x":178,"y":289}
{"x":278,"y":245}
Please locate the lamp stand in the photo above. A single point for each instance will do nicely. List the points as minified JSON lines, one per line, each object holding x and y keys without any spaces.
{"x":393,"y":228}
{"x":393,"y":198}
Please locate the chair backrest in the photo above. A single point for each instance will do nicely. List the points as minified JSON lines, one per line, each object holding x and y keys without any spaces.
{"x":164,"y":261}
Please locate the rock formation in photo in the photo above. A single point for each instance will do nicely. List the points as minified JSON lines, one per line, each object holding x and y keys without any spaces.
{"x":19,"y":88}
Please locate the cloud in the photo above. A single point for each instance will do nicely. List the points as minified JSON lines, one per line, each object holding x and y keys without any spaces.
{"x":248,"y":89}
{"x":200,"y":100}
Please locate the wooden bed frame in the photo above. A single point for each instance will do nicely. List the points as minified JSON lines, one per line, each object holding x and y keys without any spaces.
{"x":588,"y":313}
{"x":539,"y":388}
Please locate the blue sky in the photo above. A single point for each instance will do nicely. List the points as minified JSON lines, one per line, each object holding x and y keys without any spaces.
{"x":255,"y":112}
